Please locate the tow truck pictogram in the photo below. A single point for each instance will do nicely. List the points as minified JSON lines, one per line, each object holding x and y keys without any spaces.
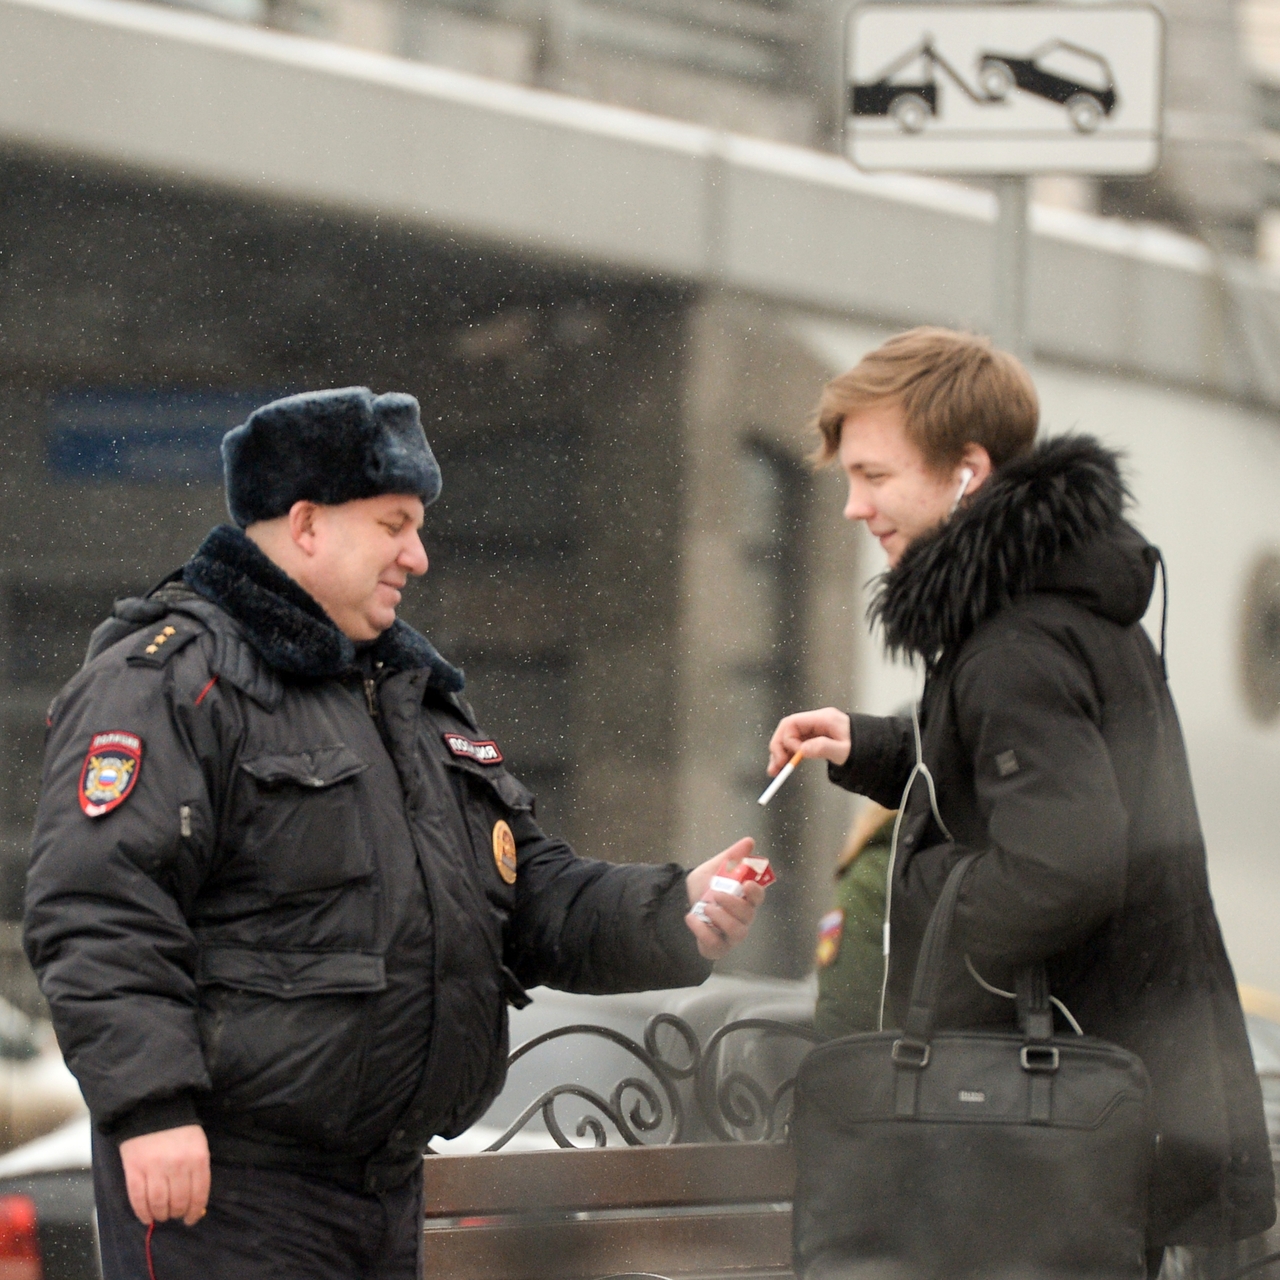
{"x":909,"y":103}
{"x":1057,"y":70}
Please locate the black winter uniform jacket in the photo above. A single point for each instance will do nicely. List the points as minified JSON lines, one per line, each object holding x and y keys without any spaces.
{"x":294,"y":927}
{"x":1049,"y":730}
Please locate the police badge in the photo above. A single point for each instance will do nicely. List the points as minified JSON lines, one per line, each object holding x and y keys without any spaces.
{"x":110,"y":771}
{"x":504,"y":851}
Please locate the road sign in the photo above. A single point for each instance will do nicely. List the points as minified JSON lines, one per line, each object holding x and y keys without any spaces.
{"x":1004,"y":88}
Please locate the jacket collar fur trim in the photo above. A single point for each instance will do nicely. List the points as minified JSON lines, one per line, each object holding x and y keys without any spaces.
{"x":288,"y":628}
{"x":999,"y":545}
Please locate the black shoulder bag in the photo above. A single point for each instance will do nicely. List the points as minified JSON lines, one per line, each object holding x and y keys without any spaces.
{"x":945,"y":1155}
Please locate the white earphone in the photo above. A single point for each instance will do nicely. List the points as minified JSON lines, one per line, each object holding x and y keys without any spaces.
{"x":965,"y":476}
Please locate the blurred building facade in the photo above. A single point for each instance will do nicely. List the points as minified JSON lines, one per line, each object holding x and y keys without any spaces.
{"x":1209,"y":183}
{"x":557,"y":403}
{"x":1260,"y":41}
{"x":771,"y":69}
{"x":765,"y":68}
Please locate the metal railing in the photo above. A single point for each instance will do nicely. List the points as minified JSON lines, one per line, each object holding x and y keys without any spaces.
{"x":685,"y":1082}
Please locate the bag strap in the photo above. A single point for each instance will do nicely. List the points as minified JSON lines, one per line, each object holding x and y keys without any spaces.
{"x":1035,"y":1013}
{"x":910,"y":1052}
{"x":927,"y":984}
{"x":1039,"y":1054}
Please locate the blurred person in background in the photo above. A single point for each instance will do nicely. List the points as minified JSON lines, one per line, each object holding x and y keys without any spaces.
{"x":1049,"y":731}
{"x":283,"y":887}
{"x":849,"y":957}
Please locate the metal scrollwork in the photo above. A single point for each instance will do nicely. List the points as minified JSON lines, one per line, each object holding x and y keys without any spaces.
{"x":685,"y":1032}
{"x":734,"y":1106}
{"x":737,"y":1107}
{"x":645,"y":1114}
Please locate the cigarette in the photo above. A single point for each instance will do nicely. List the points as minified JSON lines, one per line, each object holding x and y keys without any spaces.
{"x":783,"y":774}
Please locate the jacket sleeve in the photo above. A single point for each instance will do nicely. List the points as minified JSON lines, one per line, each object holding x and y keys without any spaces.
{"x":1055,"y":864}
{"x":881,"y":755}
{"x":597,"y":927}
{"x":107,"y":896}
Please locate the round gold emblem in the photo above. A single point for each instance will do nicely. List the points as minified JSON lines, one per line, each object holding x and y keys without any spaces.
{"x":504,"y":851}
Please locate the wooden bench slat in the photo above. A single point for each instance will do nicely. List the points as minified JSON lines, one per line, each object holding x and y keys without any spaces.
{"x":740,"y":1246}
{"x":631,"y":1177}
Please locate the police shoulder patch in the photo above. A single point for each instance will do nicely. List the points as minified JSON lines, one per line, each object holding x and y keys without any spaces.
{"x":110,"y":771}
{"x":468,"y":749}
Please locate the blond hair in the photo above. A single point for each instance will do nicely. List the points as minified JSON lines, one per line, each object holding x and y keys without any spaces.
{"x":953,"y":388}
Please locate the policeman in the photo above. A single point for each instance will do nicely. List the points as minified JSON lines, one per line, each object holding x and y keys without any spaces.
{"x":283,"y":887}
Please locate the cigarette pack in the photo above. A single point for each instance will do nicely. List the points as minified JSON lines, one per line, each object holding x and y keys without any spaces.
{"x":747,"y":871}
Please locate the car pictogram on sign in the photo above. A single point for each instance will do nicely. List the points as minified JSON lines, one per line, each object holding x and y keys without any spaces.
{"x":1058,"y":71}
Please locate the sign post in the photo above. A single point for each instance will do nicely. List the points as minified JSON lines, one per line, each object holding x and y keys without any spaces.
{"x":1010,"y":258}
{"x":1005,"y":89}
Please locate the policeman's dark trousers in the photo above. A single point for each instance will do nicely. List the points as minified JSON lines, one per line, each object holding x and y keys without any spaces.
{"x":262,"y":1224}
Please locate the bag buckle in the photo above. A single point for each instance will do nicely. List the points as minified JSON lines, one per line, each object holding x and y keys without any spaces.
{"x":1039,"y":1057}
{"x":910,"y":1053}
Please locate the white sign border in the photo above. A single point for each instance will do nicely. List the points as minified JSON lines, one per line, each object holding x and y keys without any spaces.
{"x":846,"y":83}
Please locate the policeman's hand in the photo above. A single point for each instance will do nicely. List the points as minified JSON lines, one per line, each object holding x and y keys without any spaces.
{"x":729,"y":918}
{"x":167,"y":1174}
{"x":817,"y":735}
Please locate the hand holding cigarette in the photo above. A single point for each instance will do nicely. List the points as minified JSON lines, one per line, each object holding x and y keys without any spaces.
{"x":811,"y":735}
{"x":719,"y":919}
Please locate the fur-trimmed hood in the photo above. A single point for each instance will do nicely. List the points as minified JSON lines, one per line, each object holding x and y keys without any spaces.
{"x":288,"y":628}
{"x":1050,"y":521}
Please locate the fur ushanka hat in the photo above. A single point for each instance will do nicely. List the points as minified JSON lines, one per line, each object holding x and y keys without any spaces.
{"x":328,"y":447}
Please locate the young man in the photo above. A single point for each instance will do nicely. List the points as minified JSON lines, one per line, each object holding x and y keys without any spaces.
{"x":1049,"y":730}
{"x":283,"y":888}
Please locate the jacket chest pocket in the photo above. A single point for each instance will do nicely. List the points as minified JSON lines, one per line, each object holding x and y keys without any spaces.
{"x":303,"y":830}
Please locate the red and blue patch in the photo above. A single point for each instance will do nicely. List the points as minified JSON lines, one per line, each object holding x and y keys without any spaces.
{"x":830,"y":931}
{"x":110,"y":771}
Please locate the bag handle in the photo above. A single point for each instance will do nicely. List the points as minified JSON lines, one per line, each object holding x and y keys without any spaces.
{"x":1035,"y":1013}
{"x":910,"y":1052}
{"x":927,"y":984}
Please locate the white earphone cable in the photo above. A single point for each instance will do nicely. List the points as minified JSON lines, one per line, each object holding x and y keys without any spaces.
{"x":1012,"y":995}
{"x":919,"y":768}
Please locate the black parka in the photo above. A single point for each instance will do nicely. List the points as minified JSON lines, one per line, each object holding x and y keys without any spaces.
{"x":1049,"y":730}
{"x":295,"y":928}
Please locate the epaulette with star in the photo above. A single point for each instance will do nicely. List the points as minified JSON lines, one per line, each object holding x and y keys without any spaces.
{"x":164,"y":643}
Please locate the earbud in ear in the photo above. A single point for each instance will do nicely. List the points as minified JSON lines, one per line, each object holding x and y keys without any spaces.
{"x":965,"y":476}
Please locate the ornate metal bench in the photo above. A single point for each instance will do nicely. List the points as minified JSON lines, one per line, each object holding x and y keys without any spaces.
{"x":684,"y":1210}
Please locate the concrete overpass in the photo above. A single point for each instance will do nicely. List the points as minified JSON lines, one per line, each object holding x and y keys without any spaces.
{"x":205,"y":101}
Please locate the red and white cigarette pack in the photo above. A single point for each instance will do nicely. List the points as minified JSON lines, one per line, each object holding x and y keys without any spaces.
{"x":747,"y":871}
